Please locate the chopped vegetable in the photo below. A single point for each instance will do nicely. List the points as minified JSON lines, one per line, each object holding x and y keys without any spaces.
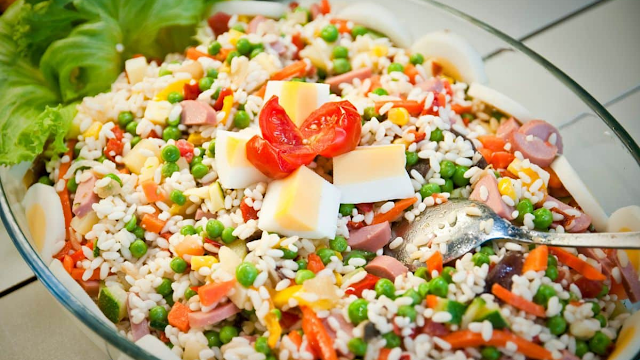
{"x":395,"y":212}
{"x":579,"y":265}
{"x":537,"y":259}
{"x":467,"y":338}
{"x":179,"y":316}
{"x":211,"y":293}
{"x":319,"y":339}
{"x":517,"y":301}
{"x":151,"y":223}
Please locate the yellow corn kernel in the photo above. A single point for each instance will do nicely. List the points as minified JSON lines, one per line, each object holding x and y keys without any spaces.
{"x":234,"y":36}
{"x":198,"y":262}
{"x":227,"y":105}
{"x":93,"y":131}
{"x":196,"y":139}
{"x":380,"y":51}
{"x":176,"y":209}
{"x":398,"y":116}
{"x":516,"y":168}
{"x":281,"y":298}
{"x":177,"y":86}
{"x":506,"y":188}
{"x":338,"y":278}
{"x":244,"y":19}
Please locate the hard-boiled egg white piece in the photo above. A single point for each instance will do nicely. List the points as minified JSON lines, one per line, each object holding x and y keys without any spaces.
{"x":500,"y":101}
{"x":302,"y":204}
{"x":273,"y":10}
{"x":156,"y":347}
{"x":628,"y":340}
{"x":454,"y":53}
{"x":234,"y":170}
{"x":299,"y":99}
{"x":378,"y":18}
{"x":372,"y":173}
{"x":625,"y":219}
{"x":580,"y":192}
{"x":45,"y":219}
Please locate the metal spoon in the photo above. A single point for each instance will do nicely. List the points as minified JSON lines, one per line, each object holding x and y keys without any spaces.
{"x":459,"y":222}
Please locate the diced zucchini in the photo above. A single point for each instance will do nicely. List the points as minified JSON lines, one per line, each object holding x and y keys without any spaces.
{"x":495,"y":318}
{"x":216,"y":196}
{"x":113,"y":303}
{"x":456,"y":309}
{"x":476,"y":306}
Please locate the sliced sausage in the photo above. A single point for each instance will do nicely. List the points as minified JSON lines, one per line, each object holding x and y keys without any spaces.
{"x":253,"y":24}
{"x":335,"y":81}
{"x":201,"y":319}
{"x":507,"y":128}
{"x":370,"y":238}
{"x":197,"y":113}
{"x":535,"y":149}
{"x":630,"y":280}
{"x":85,"y":197}
{"x":386,"y":267}
{"x":577,"y":224}
{"x":494,"y":199}
{"x":543,"y":131}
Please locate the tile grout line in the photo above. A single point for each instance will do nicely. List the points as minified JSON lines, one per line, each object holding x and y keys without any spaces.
{"x":17,"y":286}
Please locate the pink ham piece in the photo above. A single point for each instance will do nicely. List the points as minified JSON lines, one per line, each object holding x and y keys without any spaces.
{"x":386,"y":267}
{"x":201,"y":319}
{"x":494,"y":199}
{"x":578,"y":224}
{"x":370,"y":238}
{"x":314,"y":9}
{"x":537,"y":151}
{"x":543,"y":131}
{"x":253,"y":24}
{"x":138,"y":330}
{"x":203,"y":214}
{"x":85,"y":197}
{"x":628,"y":273}
{"x":335,"y":81}
{"x":92,"y":287}
{"x":197,"y":113}
{"x":567,"y":355}
{"x":507,"y":128}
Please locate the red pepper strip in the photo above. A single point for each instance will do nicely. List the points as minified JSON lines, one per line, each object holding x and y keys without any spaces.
{"x":219,"y":101}
{"x":317,"y":334}
{"x":315,"y":263}
{"x":248,"y":212}
{"x":368,"y":283}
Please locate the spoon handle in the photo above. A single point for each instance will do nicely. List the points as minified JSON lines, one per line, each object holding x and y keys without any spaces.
{"x":625,"y":240}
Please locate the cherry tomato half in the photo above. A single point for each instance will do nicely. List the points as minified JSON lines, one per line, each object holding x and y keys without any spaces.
{"x":333,"y":129}
{"x":276,"y":162}
{"x":276,"y":126}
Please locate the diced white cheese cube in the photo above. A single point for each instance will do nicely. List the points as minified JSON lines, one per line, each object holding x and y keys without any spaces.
{"x":136,"y":69}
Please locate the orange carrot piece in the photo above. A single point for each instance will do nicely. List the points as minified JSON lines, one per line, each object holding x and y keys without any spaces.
{"x":582,"y":267}
{"x":189,"y":246}
{"x":67,"y":263}
{"x":492,"y":142}
{"x":411,"y":71}
{"x":212,"y":293}
{"x":554,"y":180}
{"x":467,"y":338}
{"x":537,"y":259}
{"x":297,"y":69}
{"x":325,"y":7}
{"x":419,"y":135}
{"x":413,"y":107}
{"x":395,"y":211}
{"x":295,"y":338}
{"x":517,"y":301}
{"x":179,"y":316}
{"x":151,"y":223}
{"x":501,"y":159}
{"x":486,"y":154}
{"x":315,"y":263}
{"x":194,"y":54}
{"x":432,"y":301}
{"x":435,"y":262}
{"x":152,"y":191}
{"x":460,"y":109}
{"x":64,"y":194}
{"x":342,"y":25}
{"x":320,"y":340}
{"x":384,"y":354}
{"x":77,"y":256}
{"x":77,"y":273}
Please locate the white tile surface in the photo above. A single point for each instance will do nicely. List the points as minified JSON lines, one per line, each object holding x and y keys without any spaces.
{"x":13,"y":269}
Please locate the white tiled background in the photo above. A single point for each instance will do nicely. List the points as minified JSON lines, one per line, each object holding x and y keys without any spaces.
{"x":594,"y":41}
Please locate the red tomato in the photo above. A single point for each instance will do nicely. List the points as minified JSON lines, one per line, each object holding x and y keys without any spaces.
{"x":218,"y":22}
{"x":248,"y":212}
{"x":191,"y":92}
{"x":219,"y":101}
{"x":186,"y":149}
{"x":274,"y":162}
{"x":501,"y":159}
{"x":589,"y":288}
{"x":276,"y":126}
{"x":333,"y":129}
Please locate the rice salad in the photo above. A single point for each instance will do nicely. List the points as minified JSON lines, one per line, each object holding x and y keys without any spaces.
{"x":233,"y":202}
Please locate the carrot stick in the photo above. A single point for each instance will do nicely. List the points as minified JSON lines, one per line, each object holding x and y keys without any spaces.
{"x":395,"y":211}
{"x":194,"y":54}
{"x":295,"y":338}
{"x":413,"y":107}
{"x":152,"y":191}
{"x":64,"y":194}
{"x":211,"y":293}
{"x":460,"y":109}
{"x":517,"y":301}
{"x":384,"y":354}
{"x":320,"y":339}
{"x":411,"y":71}
{"x":297,"y":69}
{"x":179,"y":316}
{"x":537,"y":259}
{"x":582,"y":267}
{"x":67,"y":263}
{"x":152,"y":224}
{"x":77,"y":273}
{"x":435,"y":262}
{"x":315,"y":263}
{"x":467,"y":338}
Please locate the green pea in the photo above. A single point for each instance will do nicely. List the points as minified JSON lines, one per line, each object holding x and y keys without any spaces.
{"x":447,"y":272}
{"x":380,"y":91}
{"x":447,"y":168}
{"x":171,"y":133}
{"x":581,"y":348}
{"x":370,"y":113}
{"x":178,"y":197}
{"x":302,"y":264}
{"x":557,"y":325}
{"x":408,"y":311}
{"x":178,"y":265}
{"x":602,"y":320}
{"x":458,"y":177}
{"x":72,"y":185}
{"x":205,"y":83}
{"x":599,"y":343}
{"x":262,"y":346}
{"x":138,"y":248}
{"x":124,"y":118}
{"x":422,"y":272}
{"x":604,"y":291}
{"x":288,"y":254}
{"x":232,"y":55}
{"x":358,"y":30}
{"x":338,"y":244}
{"x":341,"y":66}
{"x":411,"y":157}
{"x":490,"y":353}
{"x":102,"y":158}
{"x":131,"y":224}
{"x":524,"y":207}
{"x":212,"y":73}
{"x":551,"y":273}
{"x":542,"y":218}
{"x":213,"y":338}
{"x":131,"y":128}
{"x":227,"y":333}
{"x":214,"y":228}
{"x":479,"y":259}
{"x":163,"y":72}
{"x":212,"y":148}
{"x":114,"y":177}
{"x":429,"y":189}
{"x":164,"y":288}
{"x":393,"y":340}
{"x":416,"y":59}
{"x":174,"y":97}
{"x":329,"y":33}
{"x":158,"y":318}
{"x":304,"y":275}
{"x":544,"y":293}
{"x":595,"y":307}
{"x":138,"y":232}
{"x":214,"y":48}
{"x":395,"y":67}
{"x":188,"y":230}
{"x":552,"y":261}
{"x":436,"y":135}
{"x":134,"y":141}
{"x":216,"y":94}
{"x":358,"y":311}
{"x":438,"y":286}
{"x":173,"y":122}
{"x":199,"y":230}
{"x":169,"y":168}
{"x":357,"y":346}
{"x":414,"y":295}
{"x":448,"y":186}
{"x":488,"y":250}
{"x":227,"y":235}
{"x":277,"y":313}
{"x":346,"y":209}
{"x":340,"y":52}
{"x":243,"y":46}
{"x":326,"y":254}
{"x":241,"y":119}
{"x":423,"y":290}
{"x":385,"y":287}
{"x":246,"y":273}
{"x":189,"y":293}
{"x":199,"y":171}
{"x":170,"y":153}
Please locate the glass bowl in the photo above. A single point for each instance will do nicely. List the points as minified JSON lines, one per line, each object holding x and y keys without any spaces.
{"x":601,"y":151}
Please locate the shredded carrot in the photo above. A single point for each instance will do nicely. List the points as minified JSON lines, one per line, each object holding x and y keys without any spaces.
{"x":517,"y":301}
{"x":501,"y":159}
{"x":460,"y":109}
{"x":179,"y":316}
{"x":395,"y":211}
{"x":413,"y":107}
{"x":194,"y":54}
{"x":213,"y":292}
{"x":77,"y":273}
{"x":467,"y":338}
{"x":492,"y":142}
{"x":318,"y":336}
{"x":152,"y":191}
{"x":65,"y":200}
{"x":582,"y":267}
{"x":151,"y":223}
{"x":342,"y":25}
{"x":297,"y":69}
{"x":537,"y":259}
{"x":432,"y":301}
{"x":67,"y":263}
{"x":435,"y":262}
{"x":411,"y":71}
{"x":315,"y":263}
